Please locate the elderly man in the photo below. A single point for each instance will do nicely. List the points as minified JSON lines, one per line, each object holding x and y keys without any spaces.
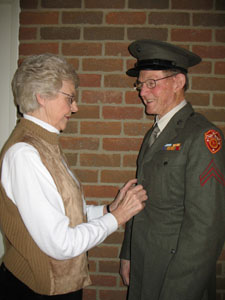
{"x":171,"y":247}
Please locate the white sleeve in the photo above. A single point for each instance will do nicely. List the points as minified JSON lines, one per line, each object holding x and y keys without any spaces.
{"x":30,"y":186}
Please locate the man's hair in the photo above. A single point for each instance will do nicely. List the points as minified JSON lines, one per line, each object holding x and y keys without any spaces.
{"x":174,"y":71}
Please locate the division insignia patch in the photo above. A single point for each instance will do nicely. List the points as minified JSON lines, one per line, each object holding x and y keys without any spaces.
{"x":213,"y":140}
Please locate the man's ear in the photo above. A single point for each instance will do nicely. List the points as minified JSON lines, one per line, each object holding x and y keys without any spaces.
{"x":180,"y":81}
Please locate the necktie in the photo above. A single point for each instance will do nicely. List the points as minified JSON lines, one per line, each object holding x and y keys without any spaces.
{"x":153,"y":136}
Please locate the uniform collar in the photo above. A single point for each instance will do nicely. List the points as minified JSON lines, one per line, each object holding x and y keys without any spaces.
{"x":165,"y":119}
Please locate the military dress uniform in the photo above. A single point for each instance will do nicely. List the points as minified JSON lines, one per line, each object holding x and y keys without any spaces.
{"x":174,"y":242}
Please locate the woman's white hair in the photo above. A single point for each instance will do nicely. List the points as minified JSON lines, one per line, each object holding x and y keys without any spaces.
{"x":40,"y":74}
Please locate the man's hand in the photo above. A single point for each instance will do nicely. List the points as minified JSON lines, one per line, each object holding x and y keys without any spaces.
{"x":125,"y":271}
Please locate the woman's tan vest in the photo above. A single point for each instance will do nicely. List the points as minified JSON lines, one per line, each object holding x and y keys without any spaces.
{"x":23,"y":257}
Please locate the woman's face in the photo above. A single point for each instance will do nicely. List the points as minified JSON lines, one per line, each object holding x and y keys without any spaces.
{"x":58,"y":110}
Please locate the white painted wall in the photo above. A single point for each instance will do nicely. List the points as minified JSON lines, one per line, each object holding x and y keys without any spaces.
{"x":9,"y":44}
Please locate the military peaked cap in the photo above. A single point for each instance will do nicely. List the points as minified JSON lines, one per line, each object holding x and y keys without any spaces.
{"x":157,"y":55}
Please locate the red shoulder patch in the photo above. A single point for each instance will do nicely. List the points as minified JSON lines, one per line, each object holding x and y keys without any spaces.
{"x":213,"y":140}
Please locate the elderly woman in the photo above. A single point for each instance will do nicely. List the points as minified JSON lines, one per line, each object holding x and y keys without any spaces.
{"x":42,"y":209}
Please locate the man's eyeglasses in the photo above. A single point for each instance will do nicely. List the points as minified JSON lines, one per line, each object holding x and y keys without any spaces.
{"x":71,"y":98}
{"x":150,"y":83}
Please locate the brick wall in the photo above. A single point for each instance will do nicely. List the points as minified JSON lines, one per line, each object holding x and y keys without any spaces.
{"x":103,"y":139}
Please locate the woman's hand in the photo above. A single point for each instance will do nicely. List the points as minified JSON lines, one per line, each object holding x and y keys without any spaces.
{"x":130,"y":201}
{"x":121,"y":194}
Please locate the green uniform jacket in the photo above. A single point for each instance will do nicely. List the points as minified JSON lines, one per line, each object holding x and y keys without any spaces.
{"x":173,"y":244}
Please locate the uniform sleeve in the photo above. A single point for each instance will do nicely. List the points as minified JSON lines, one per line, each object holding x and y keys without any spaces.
{"x":202,"y":232}
{"x":30,"y":186}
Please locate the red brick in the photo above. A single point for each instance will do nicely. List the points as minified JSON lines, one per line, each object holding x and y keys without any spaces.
{"x":132,"y":97}
{"x":112,"y":176}
{"x":136,"y":129}
{"x":220,"y":36}
{"x":109,"y":266}
{"x":105,"y":65}
{"x":159,"y":4}
{"x":220,"y":67}
{"x":220,"y":283}
{"x":92,"y":265}
{"x":79,"y":143}
{"x":71,"y":127}
{"x":81,"y":49}
{"x":101,"y":96}
{"x":119,"y":144}
{"x":118,"y":81}
{"x":105,"y":191}
{"x":103,"y":280}
{"x":220,"y":5}
{"x":27,"y":33}
{"x":105,"y":4}
{"x":121,"y":284}
{"x":126,"y":18}
{"x":117,"y":49}
{"x":59,"y":33}
{"x":87,"y":112}
{"x":27,"y":4}
{"x":90,"y":80}
{"x":61,"y":3}
{"x":222,"y":127}
{"x":112,"y":294}
{"x":205,"y":67}
{"x":89,"y":293}
{"x":104,"y":251}
{"x":115,"y":238}
{"x":214,"y":115}
{"x":191,"y":35}
{"x":38,"y":48}
{"x":86,"y":176}
{"x":82,"y":17}
{"x":209,"y":20}
{"x":208,"y":83}
{"x":192,"y":4}
{"x":130,"y":160}
{"x":147,"y":33}
{"x":104,"y":33}
{"x":102,"y":128}
{"x":199,"y":99}
{"x":28,"y":18}
{"x":210,"y":51}
{"x":118,"y":113}
{"x":219,"y":100}
{"x":130,"y":64}
{"x":94,"y":202}
{"x":100,"y":160}
{"x":75,"y":63}
{"x":169,"y":18}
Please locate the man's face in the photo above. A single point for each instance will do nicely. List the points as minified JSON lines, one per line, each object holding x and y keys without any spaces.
{"x":162,"y":98}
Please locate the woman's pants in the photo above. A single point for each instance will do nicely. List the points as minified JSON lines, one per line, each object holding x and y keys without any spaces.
{"x":12,"y":288}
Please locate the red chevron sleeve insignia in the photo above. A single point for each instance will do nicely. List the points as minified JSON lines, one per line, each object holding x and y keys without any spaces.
{"x":211,"y":171}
